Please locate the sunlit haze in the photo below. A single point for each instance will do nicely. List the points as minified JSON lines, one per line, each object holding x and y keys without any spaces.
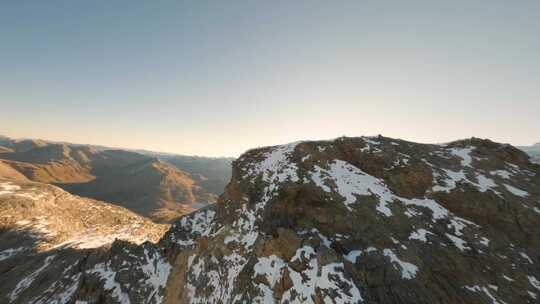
{"x":218,"y":78}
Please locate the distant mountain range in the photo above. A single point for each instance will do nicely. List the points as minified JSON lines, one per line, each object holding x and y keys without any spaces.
{"x":533,"y":151}
{"x":158,"y":185}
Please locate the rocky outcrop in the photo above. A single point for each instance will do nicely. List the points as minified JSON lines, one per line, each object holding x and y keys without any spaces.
{"x":353,"y":220}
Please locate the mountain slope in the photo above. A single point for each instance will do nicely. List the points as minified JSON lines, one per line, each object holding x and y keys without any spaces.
{"x":533,"y":151}
{"x":8,"y":172}
{"x":141,"y":183}
{"x":354,"y":220}
{"x":37,"y":217}
{"x":149,"y":187}
{"x":212,"y":174}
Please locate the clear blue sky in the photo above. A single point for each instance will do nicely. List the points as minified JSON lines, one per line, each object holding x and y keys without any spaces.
{"x":216,"y":78}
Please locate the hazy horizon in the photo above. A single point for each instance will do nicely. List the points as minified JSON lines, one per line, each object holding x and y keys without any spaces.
{"x":219,"y":156}
{"x":198,"y":78}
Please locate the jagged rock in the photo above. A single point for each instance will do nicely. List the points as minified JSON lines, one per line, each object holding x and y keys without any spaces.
{"x":353,"y":220}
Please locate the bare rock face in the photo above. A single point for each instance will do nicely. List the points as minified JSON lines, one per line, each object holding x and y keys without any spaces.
{"x":354,"y":220}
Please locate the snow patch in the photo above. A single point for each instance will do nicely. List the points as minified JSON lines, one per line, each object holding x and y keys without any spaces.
{"x":464,"y":154}
{"x":419,"y":235}
{"x":502,"y":173}
{"x":106,"y":274}
{"x":515,"y":191}
{"x":477,"y":288}
{"x":351,"y":181}
{"x":534,"y":282}
{"x":27,"y":281}
{"x":458,"y":242}
{"x":10,"y":252}
{"x":408,"y":270}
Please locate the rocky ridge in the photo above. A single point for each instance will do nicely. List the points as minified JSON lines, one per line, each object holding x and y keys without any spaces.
{"x":353,"y":220}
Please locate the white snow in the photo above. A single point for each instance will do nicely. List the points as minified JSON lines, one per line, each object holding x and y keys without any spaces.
{"x":408,"y":270}
{"x":156,"y":270}
{"x":464,"y":154}
{"x":477,"y":288}
{"x":351,"y":181}
{"x":370,"y":143}
{"x":271,"y":267}
{"x":329,"y":280}
{"x":534,"y":281}
{"x":27,"y":281}
{"x":8,"y":253}
{"x":274,"y":169}
{"x":502,"y":173}
{"x":353,"y":255}
{"x":458,"y":242}
{"x":34,"y":197}
{"x":60,"y":293}
{"x":508,"y":278}
{"x":420,"y":235}
{"x":438,"y":211}
{"x":8,"y":188}
{"x":484,"y":183}
{"x":525,"y":256}
{"x":195,"y":225}
{"x":318,"y":177}
{"x":515,"y":191}
{"x":108,"y":275}
{"x":484,"y":241}
{"x":245,"y":231}
{"x":94,"y":239}
{"x":221,"y":279}
{"x":453,"y":177}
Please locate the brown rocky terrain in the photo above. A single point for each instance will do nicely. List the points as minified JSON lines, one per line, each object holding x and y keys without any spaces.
{"x":141,"y":183}
{"x":353,"y":220}
{"x":8,"y":172}
{"x":36,"y":218}
{"x":20,"y":145}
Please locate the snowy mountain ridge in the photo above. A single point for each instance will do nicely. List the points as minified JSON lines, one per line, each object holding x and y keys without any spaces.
{"x":352,"y":220}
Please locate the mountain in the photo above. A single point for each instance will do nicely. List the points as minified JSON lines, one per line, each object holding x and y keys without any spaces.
{"x":213,"y":173}
{"x":7,"y":172}
{"x":353,"y":220}
{"x":145,"y":184}
{"x":149,"y":187}
{"x":533,"y":151}
{"x":36,"y":218}
{"x":20,"y":145}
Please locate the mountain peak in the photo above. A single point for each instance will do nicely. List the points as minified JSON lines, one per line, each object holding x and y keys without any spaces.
{"x":350,"y":220}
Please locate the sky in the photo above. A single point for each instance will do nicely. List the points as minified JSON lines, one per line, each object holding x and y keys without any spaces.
{"x":216,"y":78}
